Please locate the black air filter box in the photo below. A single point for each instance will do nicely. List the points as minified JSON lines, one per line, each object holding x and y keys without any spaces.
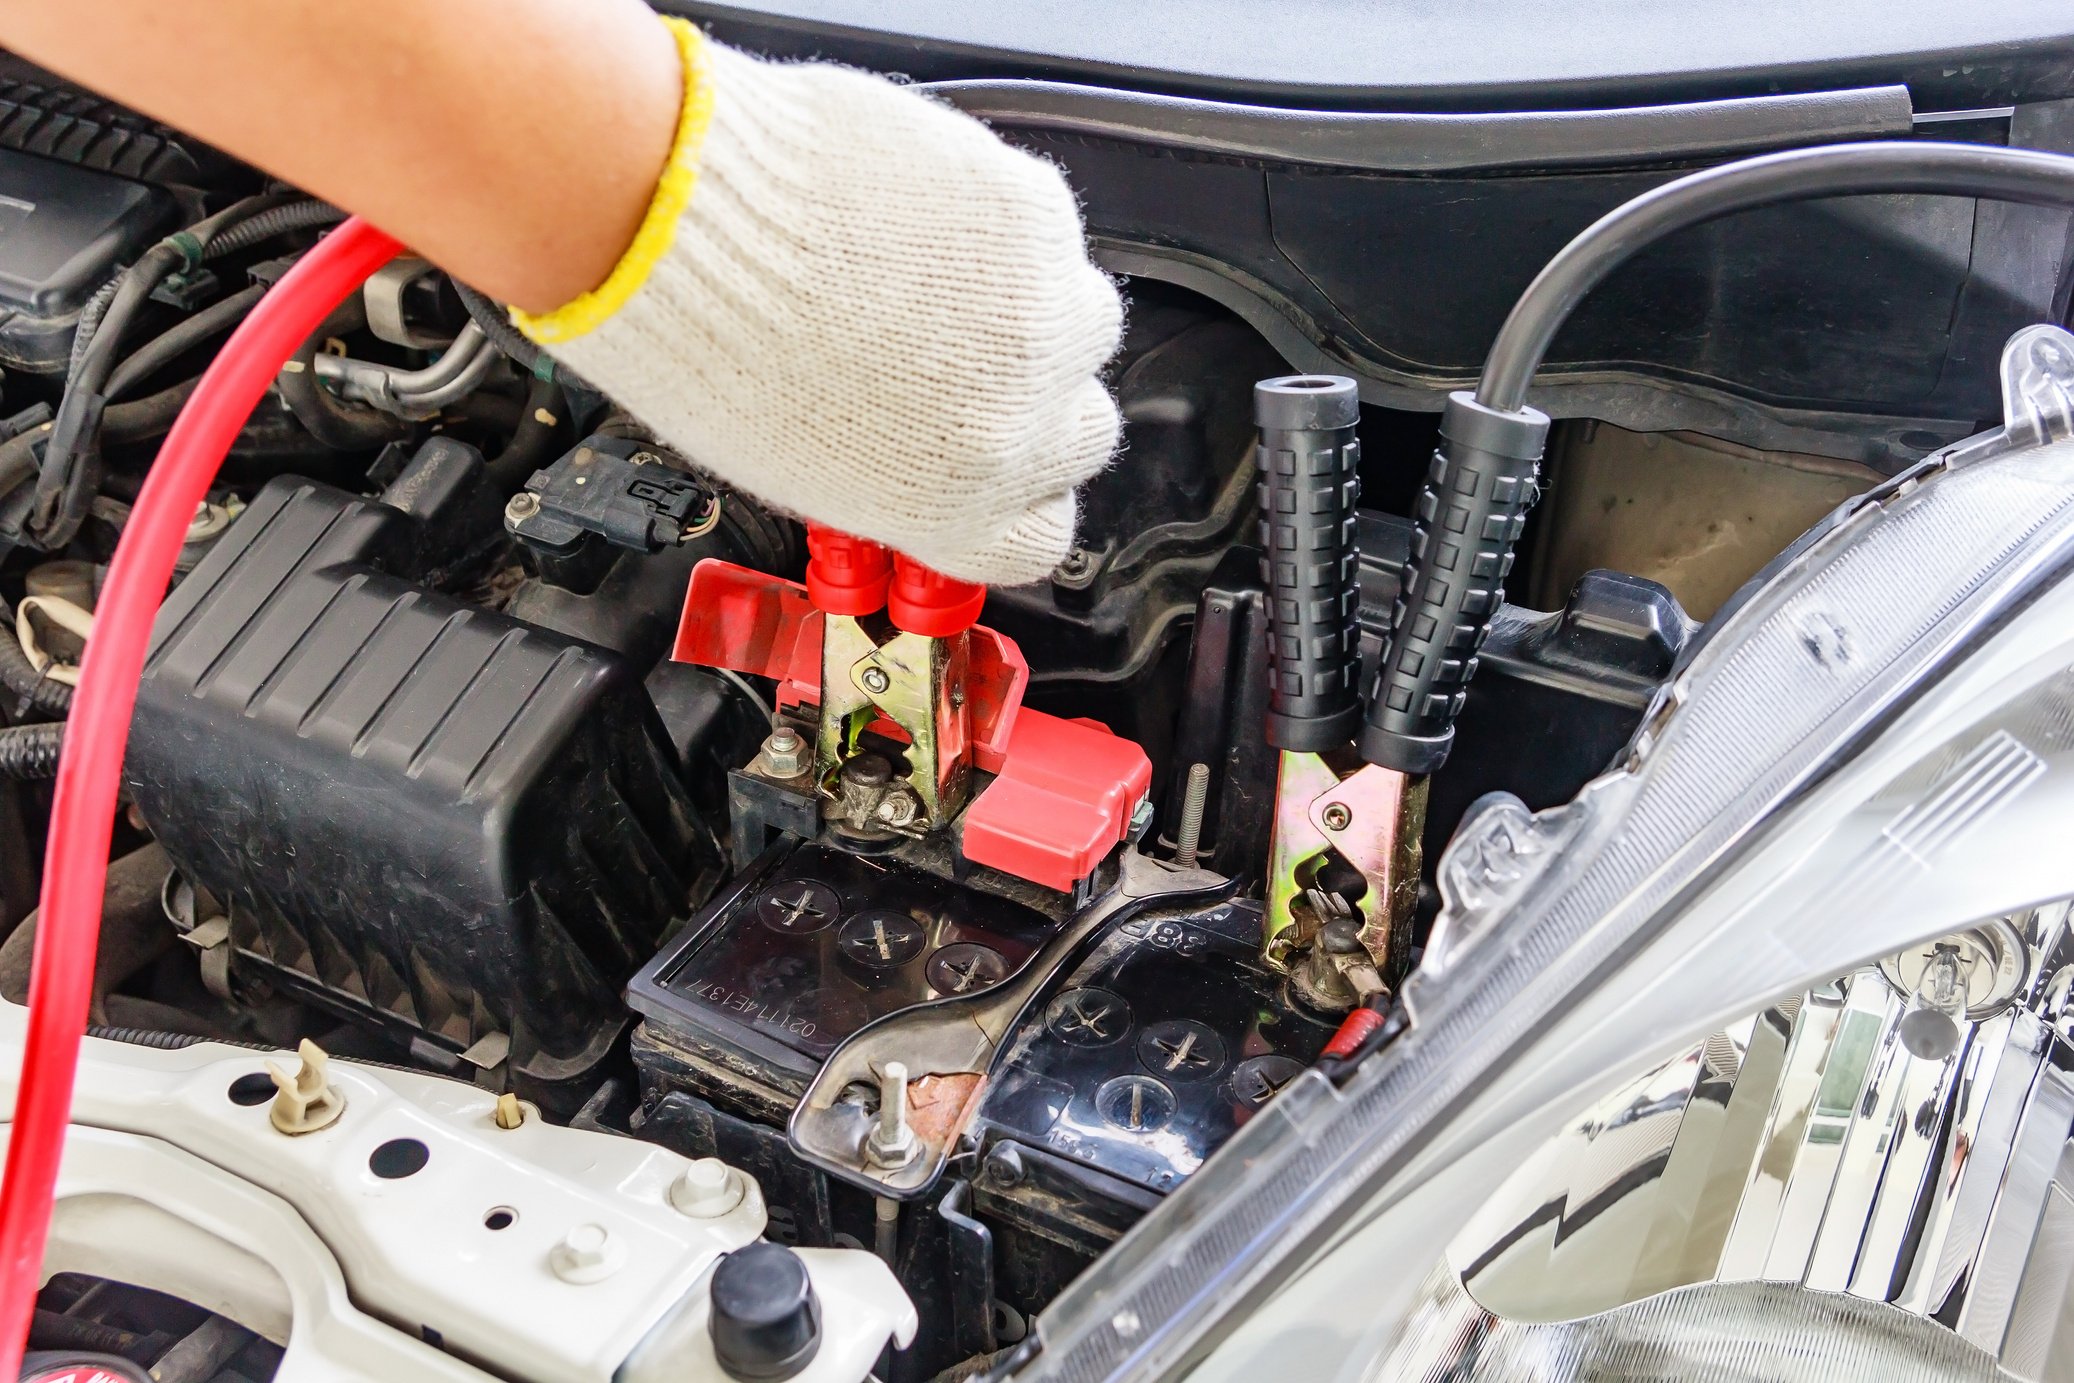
{"x":424,"y":816}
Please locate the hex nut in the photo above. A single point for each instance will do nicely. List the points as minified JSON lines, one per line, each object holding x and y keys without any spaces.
{"x":898,"y":808}
{"x":786,"y":751}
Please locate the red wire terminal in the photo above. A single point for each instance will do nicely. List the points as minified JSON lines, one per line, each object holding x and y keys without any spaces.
{"x":1354,"y":1030}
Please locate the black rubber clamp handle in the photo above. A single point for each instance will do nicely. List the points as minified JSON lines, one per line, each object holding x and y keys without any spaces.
{"x":1484,"y":478}
{"x":1309,"y":464}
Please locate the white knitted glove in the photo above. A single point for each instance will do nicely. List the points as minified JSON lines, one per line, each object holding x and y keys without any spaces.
{"x":861,"y":306}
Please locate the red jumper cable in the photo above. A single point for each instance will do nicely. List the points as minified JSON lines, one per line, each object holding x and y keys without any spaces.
{"x":82,"y":820}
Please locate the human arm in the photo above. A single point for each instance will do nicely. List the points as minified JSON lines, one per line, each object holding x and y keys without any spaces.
{"x":839,"y":295}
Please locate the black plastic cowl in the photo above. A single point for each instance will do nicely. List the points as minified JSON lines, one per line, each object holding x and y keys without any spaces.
{"x":766,"y":1320}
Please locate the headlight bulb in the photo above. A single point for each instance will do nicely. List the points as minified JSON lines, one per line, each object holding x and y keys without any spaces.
{"x":1930,"y":1029}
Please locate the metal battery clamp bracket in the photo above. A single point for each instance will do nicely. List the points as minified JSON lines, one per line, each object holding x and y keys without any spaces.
{"x":930,"y":1063}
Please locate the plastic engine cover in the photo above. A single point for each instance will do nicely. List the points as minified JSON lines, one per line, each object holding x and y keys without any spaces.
{"x":64,"y":231}
{"x":420,"y":814}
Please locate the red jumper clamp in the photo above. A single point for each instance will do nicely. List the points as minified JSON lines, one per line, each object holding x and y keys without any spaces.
{"x":876,"y":647}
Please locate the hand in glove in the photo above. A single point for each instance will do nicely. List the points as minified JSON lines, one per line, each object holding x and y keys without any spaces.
{"x":858,"y":304}
{"x":843,"y":297}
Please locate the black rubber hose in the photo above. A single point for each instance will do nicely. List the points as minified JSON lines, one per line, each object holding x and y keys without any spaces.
{"x":162,"y":350}
{"x":71,"y":460}
{"x":165,"y":1041}
{"x":95,"y":312}
{"x":136,"y":421}
{"x":150,"y":416}
{"x":171,"y":1041}
{"x":29,"y":753}
{"x":19,"y":458}
{"x":1798,"y":175}
{"x":70,"y":471}
{"x":54,"y":1330}
{"x":495,"y":321}
{"x":188,"y":245}
{"x":535,"y":442}
{"x":265,"y":225}
{"x":20,"y":676}
{"x":134,"y":932}
{"x":146,"y":1037}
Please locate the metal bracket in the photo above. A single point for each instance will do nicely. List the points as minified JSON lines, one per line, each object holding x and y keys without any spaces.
{"x":949,"y":1045}
{"x":212,"y":940}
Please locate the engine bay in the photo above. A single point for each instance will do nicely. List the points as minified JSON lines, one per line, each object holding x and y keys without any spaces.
{"x":529,"y":782}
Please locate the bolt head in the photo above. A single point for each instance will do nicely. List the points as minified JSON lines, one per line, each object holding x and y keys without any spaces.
{"x":890,"y":1154}
{"x":868,"y":771}
{"x":209,"y":520}
{"x":875,"y":680}
{"x":522,"y":506}
{"x":588,"y":1253}
{"x":1079,"y":562}
{"x":1338,"y":817}
{"x":1004,"y":1166}
{"x":708,"y":1189}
